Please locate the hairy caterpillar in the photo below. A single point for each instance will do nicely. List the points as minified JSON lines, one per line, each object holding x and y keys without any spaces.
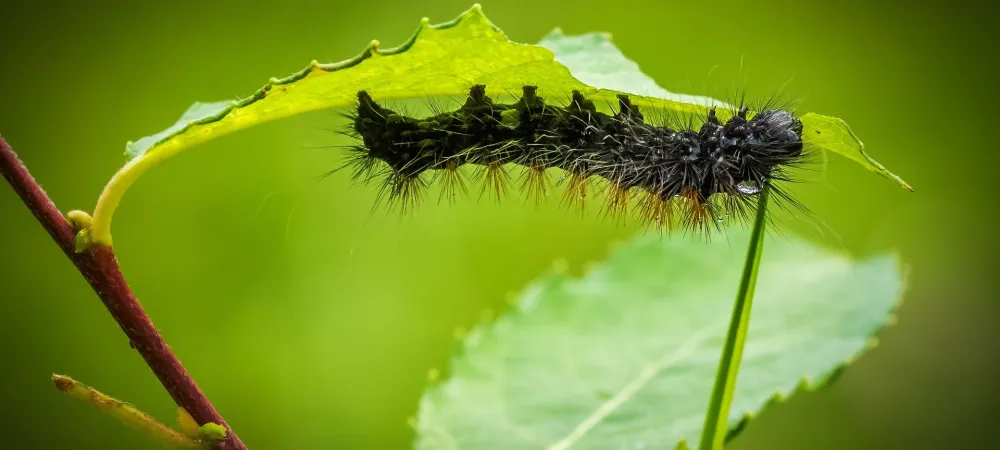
{"x":671,"y":172}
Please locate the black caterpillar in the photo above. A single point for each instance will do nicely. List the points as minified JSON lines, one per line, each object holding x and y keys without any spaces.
{"x":695,"y":175}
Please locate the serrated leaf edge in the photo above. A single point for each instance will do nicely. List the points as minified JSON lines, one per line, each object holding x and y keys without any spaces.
{"x":806,"y":384}
{"x":374,"y":47}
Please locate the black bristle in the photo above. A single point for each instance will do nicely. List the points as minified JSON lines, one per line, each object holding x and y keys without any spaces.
{"x":710,"y":171}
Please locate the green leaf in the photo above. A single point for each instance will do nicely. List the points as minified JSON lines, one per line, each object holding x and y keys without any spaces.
{"x":195,"y":114}
{"x":438,"y":60}
{"x":833,"y":134}
{"x":593,"y":59}
{"x":625,"y":357}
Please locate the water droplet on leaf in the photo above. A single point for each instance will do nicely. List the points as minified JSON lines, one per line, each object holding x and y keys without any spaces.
{"x":748,"y":187}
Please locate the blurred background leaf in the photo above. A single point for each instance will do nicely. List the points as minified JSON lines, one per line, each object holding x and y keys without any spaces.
{"x":328,"y":316}
{"x":625,"y":357}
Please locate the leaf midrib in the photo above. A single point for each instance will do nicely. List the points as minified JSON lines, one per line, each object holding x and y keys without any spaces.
{"x":636,"y":384}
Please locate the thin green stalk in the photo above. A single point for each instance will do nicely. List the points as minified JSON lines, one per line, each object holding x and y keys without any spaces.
{"x":713,"y":433}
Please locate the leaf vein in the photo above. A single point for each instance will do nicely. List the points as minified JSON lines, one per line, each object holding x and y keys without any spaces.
{"x":629,"y":390}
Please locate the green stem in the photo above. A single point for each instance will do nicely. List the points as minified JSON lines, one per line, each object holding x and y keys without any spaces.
{"x":713,"y":434}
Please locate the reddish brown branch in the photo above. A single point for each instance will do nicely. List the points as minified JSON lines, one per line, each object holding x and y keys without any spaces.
{"x":99,"y":266}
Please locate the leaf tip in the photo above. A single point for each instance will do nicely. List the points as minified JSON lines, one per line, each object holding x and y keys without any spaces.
{"x":837,"y":124}
{"x":880,"y":168}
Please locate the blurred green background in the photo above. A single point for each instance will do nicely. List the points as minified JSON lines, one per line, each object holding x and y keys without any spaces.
{"x":312,"y":323}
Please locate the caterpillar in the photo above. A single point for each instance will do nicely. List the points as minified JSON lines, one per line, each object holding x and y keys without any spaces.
{"x":671,"y":172}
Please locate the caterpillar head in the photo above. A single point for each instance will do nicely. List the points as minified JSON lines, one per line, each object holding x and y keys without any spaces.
{"x":780,"y":132}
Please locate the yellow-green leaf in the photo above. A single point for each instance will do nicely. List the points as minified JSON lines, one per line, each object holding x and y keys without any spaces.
{"x":438,"y":60}
{"x":833,"y":134}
